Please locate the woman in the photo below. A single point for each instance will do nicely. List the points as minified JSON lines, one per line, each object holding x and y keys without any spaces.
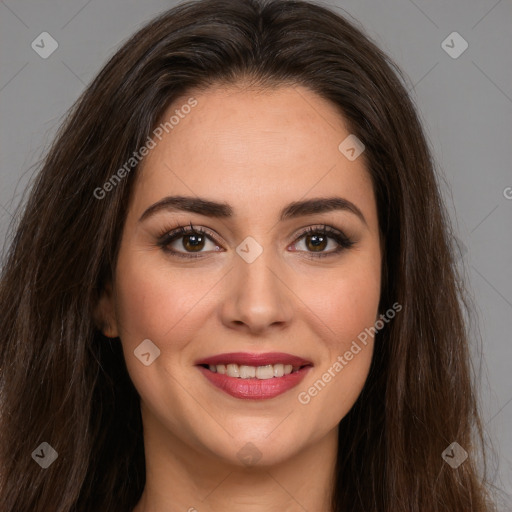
{"x":232,"y":287}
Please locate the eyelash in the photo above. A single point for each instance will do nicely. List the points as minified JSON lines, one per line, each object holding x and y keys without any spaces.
{"x":167,"y":237}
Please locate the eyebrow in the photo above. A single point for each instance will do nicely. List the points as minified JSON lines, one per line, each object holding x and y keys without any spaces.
{"x":209,"y":208}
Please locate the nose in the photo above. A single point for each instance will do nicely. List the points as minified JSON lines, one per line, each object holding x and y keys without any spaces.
{"x":258,"y":297}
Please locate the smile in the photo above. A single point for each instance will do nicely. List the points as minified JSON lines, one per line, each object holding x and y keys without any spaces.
{"x":235,"y":375}
{"x":243,"y":371}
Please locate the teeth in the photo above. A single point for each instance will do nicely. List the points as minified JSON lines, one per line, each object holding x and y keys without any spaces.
{"x":278,"y":370}
{"x":265,"y":372}
{"x":247,"y":372}
{"x":232,"y":370}
{"x":242,"y":371}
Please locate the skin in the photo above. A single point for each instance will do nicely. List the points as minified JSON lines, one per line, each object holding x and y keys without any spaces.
{"x":257,"y":151}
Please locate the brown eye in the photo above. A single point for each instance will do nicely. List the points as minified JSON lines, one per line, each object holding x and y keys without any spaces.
{"x":317,"y":240}
{"x":184,"y":242}
{"x":194,"y":242}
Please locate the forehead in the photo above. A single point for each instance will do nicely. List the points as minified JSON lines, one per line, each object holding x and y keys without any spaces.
{"x":242,"y":144}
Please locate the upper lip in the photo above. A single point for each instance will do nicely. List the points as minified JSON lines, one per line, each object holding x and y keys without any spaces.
{"x":251,"y":359}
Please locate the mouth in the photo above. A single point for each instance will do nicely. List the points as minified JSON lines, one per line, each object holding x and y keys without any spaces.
{"x":254,"y":376}
{"x":243,"y":371}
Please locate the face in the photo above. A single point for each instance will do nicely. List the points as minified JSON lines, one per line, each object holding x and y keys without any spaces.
{"x":272,"y":278}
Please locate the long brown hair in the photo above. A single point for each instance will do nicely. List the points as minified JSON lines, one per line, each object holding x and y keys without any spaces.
{"x":64,"y":383}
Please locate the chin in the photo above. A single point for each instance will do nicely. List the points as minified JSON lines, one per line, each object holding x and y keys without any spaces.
{"x":258,"y":448}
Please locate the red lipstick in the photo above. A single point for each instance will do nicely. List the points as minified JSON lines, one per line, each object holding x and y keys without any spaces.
{"x":273,"y":384}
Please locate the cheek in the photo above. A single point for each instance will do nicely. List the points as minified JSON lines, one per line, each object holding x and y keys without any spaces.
{"x":153,"y":299}
{"x":342,"y":304}
{"x":156,"y":303}
{"x":344,"y":317}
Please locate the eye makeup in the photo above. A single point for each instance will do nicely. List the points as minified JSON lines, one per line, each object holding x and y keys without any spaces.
{"x":196,"y":237}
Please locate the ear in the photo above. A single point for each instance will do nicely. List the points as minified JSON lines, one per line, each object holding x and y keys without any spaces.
{"x":104,"y":313}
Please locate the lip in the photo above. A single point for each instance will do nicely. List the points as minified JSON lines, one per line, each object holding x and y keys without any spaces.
{"x":252,"y":359}
{"x":255,"y":389}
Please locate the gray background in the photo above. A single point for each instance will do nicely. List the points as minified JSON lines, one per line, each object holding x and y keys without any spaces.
{"x":465,"y":104}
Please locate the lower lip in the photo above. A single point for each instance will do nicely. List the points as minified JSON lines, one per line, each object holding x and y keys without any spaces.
{"x":255,"y":389}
